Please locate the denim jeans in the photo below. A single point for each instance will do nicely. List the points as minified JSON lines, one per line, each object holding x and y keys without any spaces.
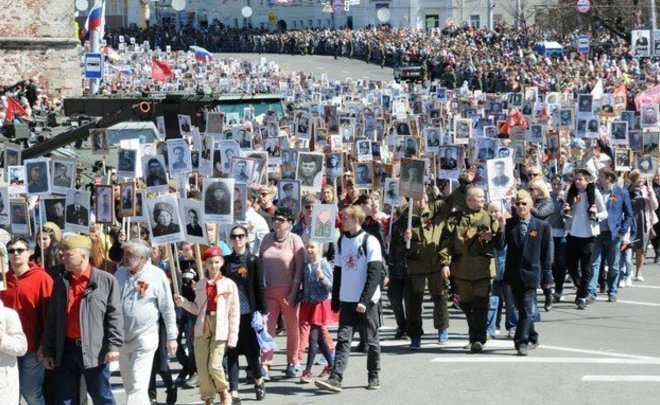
{"x":625,"y":264}
{"x":68,"y":376}
{"x":502,"y":291}
{"x":31,"y":375}
{"x":609,"y":250}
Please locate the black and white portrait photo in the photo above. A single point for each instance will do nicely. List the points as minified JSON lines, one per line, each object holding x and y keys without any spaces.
{"x":412,"y":178}
{"x":37,"y":176}
{"x":19,"y":218}
{"x":364,"y":175}
{"x":185,"y":124}
{"x":77,"y":211}
{"x":104,"y":205}
{"x":179,"y":159}
{"x":63,"y":175}
{"x":585,"y":104}
{"x":450,"y":159}
{"x":500,"y":177}
{"x":364,"y":153}
{"x":16,"y":179}
{"x":55,"y":209}
{"x":12,"y":154}
{"x":164,"y":220}
{"x":218,"y":200}
{"x":619,"y":132}
{"x":432,"y":139}
{"x":154,"y":173}
{"x":127,"y":198}
{"x":391,"y":195}
{"x":242,"y":136}
{"x":4,"y":206}
{"x":462,"y":130}
{"x":622,"y":159}
{"x":98,"y":138}
{"x":647,"y":165}
{"x":192,"y":212}
{"x":214,"y":123}
{"x":484,"y":148}
{"x":288,"y":195}
{"x":649,"y":115}
{"x":241,"y":170}
{"x":334,"y":165}
{"x":310,"y":170}
{"x":126,"y":163}
{"x":227,"y":151}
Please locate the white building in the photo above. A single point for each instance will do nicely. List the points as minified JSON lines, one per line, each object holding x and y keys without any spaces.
{"x":419,"y":14}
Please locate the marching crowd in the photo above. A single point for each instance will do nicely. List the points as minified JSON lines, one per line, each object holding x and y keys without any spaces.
{"x":485,"y":242}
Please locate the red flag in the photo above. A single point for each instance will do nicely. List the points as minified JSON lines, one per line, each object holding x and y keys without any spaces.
{"x":160,"y":70}
{"x":14,"y":108}
{"x":515,"y":118}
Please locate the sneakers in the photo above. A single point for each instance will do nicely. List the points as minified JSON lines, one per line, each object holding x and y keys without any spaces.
{"x":260,"y":390}
{"x":581,"y":303}
{"x":400,"y":334}
{"x":181,"y":378}
{"x":193,"y":382}
{"x":548,"y":303}
{"x":306,"y":377}
{"x":327,"y":371}
{"x":265,"y":373}
{"x":591,"y":299}
{"x":622,"y":284}
{"x":291,"y":371}
{"x":331,"y":384}
{"x":511,"y":334}
{"x":373,"y":382}
{"x":639,"y":278}
{"x":611,"y":298}
{"x":415,"y":343}
{"x":522,"y":350}
{"x":443,"y":336}
{"x":557,"y":297}
{"x":476,"y":347}
{"x":533,"y":345}
{"x":629,"y":281}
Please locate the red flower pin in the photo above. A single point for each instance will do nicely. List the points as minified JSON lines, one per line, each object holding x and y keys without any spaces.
{"x":613,"y":198}
{"x":533,"y":233}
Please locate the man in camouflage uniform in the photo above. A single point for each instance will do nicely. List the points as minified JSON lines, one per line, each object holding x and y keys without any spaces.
{"x":467,"y":248}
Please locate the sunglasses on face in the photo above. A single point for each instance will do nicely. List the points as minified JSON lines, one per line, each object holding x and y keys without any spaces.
{"x":279,"y":219}
{"x":237,"y":236}
{"x":308,"y":207}
{"x":18,"y":251}
{"x":521,"y":203}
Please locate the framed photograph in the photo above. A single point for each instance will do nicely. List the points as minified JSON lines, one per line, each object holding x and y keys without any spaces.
{"x":650,"y":141}
{"x":126,"y":163}
{"x":412,"y":178}
{"x":140,"y":200}
{"x":303,"y":127}
{"x":54,"y":209}
{"x":179,"y":157}
{"x":12,"y":154}
{"x":77,"y":211}
{"x":566,"y":120}
{"x":623,"y":159}
{"x":98,"y":138}
{"x":16,"y":179}
{"x":4,"y":206}
{"x":363,"y":149}
{"x":289,"y":194}
{"x":205,"y":149}
{"x":649,"y":115}
{"x":636,"y":141}
{"x":104,"y":207}
{"x":334,"y":164}
{"x":63,"y":174}
{"x":323,"y":222}
{"x":647,"y":165}
{"x":192,"y":212}
{"x":37,"y":175}
{"x":228,"y":150}
{"x":619,"y":132}
{"x":484,"y":148}
{"x":585,"y":104}
{"x":593,"y":127}
{"x":164,"y":220}
{"x":185,"y":124}
{"x":127,"y":200}
{"x":450,"y":161}
{"x":500,"y":178}
{"x":155,"y":175}
{"x":218,"y":200}
{"x":19,"y":217}
{"x":214,"y":122}
{"x":309,"y":171}
{"x":160,"y":126}
{"x":391,"y":194}
{"x":462,"y":130}
{"x":347,"y":134}
{"x":535,"y":134}
{"x":242,"y":136}
{"x":363,"y":175}
{"x":242,"y":170}
{"x":240,"y":201}
{"x":432,"y":139}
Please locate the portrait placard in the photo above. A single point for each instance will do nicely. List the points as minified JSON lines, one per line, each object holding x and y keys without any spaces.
{"x":77,"y":211}
{"x":104,"y":207}
{"x":4,"y":206}
{"x":55,"y":210}
{"x":218,"y":201}
{"x":450,"y":162}
{"x":500,"y":178}
{"x":19,"y":217}
{"x":37,"y":176}
{"x":391,"y":194}
{"x":126,"y":163}
{"x":164,"y":220}
{"x":309,"y":171}
{"x":412,"y":178}
{"x":323,"y":222}
{"x":155,"y":176}
{"x":127,"y":199}
{"x":623,"y":158}
{"x":63,"y":175}
{"x":192,"y":211}
{"x":98,"y":138}
{"x":289,"y":192}
{"x":179,"y":158}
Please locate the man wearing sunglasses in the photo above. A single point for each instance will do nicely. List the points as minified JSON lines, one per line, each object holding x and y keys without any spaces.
{"x":30,"y":301}
{"x":528,"y":264}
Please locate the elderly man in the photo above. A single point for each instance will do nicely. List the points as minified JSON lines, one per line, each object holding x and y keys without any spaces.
{"x":528,"y":265}
{"x":145,"y":296}
{"x":84,"y":327}
{"x":467,"y":245}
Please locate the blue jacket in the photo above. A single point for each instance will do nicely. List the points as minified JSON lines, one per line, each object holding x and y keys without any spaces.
{"x":619,"y":210}
{"x":313,"y":290}
{"x":529,"y":258}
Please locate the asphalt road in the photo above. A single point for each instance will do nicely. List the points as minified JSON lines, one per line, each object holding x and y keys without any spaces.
{"x":607,"y":354}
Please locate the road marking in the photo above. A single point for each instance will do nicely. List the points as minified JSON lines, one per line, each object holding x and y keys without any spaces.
{"x":654,"y":287}
{"x":599,"y":352}
{"x":621,"y":378}
{"x":644,"y":304}
{"x":532,"y":359}
{"x":345,"y":71}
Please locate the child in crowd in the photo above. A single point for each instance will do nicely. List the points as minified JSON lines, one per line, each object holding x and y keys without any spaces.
{"x":315,"y":308}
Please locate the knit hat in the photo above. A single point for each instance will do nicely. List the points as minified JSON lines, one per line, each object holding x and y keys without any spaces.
{"x":77,"y":242}
{"x":211,"y":252}
{"x":52,"y":227}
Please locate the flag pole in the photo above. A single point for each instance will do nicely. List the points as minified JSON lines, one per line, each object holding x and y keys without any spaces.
{"x":95,"y":47}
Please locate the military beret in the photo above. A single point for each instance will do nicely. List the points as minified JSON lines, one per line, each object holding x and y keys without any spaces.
{"x":77,"y":242}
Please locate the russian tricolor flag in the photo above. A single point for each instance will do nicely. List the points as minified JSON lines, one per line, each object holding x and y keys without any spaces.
{"x":201,"y":54}
{"x":95,"y":19}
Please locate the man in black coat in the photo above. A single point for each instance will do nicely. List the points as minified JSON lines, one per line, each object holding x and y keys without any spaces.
{"x":528,"y":264}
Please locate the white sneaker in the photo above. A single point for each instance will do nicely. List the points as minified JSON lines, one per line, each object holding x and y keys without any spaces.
{"x":629,"y":281}
{"x":622,"y":284}
{"x":639,"y":278}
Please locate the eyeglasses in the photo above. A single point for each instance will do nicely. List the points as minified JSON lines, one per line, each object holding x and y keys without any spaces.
{"x":239,"y":236}
{"x":18,"y":251}
{"x":519,"y":203}
{"x":279,"y":219}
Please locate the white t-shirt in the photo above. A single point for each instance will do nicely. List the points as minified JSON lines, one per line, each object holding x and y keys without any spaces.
{"x":353,"y":263}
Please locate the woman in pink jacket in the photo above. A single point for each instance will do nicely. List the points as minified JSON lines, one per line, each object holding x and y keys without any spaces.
{"x":218,"y":314}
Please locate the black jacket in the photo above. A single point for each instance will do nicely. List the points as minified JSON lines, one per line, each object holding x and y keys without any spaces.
{"x":528,"y":259}
{"x":256,"y":285}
